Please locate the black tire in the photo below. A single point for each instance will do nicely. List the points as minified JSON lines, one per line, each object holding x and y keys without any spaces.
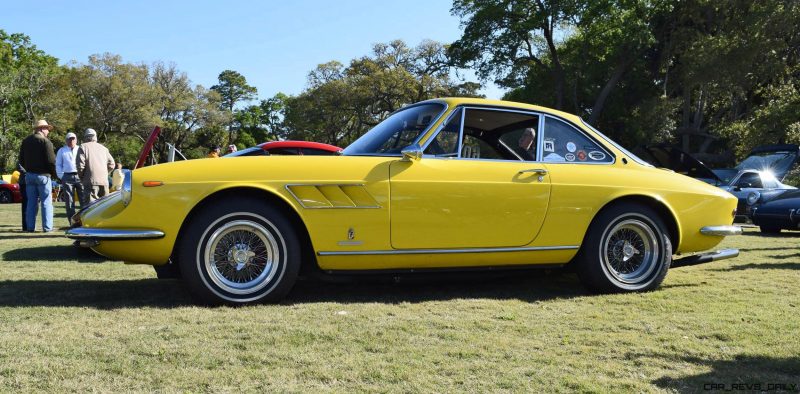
{"x":6,"y":197}
{"x":626,"y":249}
{"x":170,"y":270}
{"x":245,"y":234}
{"x":770,"y":230}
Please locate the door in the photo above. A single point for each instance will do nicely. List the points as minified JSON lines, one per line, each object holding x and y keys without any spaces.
{"x":477,"y":186}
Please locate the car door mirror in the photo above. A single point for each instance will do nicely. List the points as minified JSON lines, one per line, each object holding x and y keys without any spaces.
{"x":412,"y":152}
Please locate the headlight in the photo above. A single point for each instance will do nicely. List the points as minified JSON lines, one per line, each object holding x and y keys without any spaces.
{"x":753,"y":197}
{"x":127,"y":183}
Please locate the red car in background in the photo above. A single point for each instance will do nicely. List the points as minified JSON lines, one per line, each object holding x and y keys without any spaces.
{"x":9,"y":192}
{"x":288,"y":148}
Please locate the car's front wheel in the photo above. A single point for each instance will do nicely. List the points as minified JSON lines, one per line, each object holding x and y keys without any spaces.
{"x":626,"y":249}
{"x":770,"y":229}
{"x":239,"y":251}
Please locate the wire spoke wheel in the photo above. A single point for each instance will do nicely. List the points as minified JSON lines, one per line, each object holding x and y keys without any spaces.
{"x":242,"y":256}
{"x":630,"y":251}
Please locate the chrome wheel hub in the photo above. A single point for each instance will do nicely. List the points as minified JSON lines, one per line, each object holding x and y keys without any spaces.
{"x":242,"y":256}
{"x":628,"y":251}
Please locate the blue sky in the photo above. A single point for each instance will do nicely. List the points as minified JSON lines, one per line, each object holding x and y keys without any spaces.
{"x":273,"y":44}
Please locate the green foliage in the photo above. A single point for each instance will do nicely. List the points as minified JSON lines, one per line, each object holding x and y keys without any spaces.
{"x":343,"y":102}
{"x":233,"y":88}
{"x":29,"y":89}
{"x":704,"y":74}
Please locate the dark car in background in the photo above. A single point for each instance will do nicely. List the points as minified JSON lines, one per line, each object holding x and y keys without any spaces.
{"x":781,"y":213}
{"x":752,"y":187}
{"x":781,"y":160}
{"x":9,"y":193}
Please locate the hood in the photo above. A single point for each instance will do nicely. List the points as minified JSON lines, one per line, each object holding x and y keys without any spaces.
{"x":777,"y":159}
{"x":670,"y":157}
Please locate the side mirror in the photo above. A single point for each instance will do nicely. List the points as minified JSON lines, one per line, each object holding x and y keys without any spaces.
{"x":412,"y":152}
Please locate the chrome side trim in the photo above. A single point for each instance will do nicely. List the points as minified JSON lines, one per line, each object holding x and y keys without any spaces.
{"x":105,"y":233}
{"x":721,"y":231}
{"x":446,"y":251}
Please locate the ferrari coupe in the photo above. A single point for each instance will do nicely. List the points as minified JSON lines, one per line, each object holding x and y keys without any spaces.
{"x":444,"y":184}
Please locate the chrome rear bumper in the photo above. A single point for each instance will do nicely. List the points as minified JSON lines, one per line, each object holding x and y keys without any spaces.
{"x":81,"y":233}
{"x":705,"y":258}
{"x":721,"y":231}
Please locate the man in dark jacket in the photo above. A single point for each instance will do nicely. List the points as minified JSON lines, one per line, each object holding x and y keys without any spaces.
{"x":39,"y":159}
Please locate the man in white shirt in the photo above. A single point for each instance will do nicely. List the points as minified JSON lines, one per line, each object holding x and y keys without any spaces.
{"x":68,"y":173}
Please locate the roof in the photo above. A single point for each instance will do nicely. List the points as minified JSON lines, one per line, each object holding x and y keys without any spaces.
{"x":453,"y":101}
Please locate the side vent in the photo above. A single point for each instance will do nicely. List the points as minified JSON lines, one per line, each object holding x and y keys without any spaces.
{"x":354,"y":196}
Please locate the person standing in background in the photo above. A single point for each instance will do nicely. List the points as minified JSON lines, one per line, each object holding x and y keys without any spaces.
{"x":214,"y":153}
{"x":37,"y":157}
{"x":117,"y":178}
{"x":93,"y":162}
{"x":68,"y":173}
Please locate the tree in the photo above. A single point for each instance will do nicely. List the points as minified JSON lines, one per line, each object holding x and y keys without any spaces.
{"x":233,"y":88}
{"x":29,"y":82}
{"x":684,"y":72}
{"x":343,"y":102}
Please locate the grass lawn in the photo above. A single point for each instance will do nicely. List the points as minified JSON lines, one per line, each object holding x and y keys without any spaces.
{"x":71,"y":321}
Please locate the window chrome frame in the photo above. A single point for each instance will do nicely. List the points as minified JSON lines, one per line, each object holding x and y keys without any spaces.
{"x":539,"y":137}
{"x":422,"y":134}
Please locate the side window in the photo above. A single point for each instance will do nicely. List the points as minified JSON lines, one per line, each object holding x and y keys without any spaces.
{"x":445,"y":144}
{"x":564,"y":143}
{"x":500,"y":135}
{"x":476,"y":148}
{"x":750,"y":179}
{"x":283,"y":151}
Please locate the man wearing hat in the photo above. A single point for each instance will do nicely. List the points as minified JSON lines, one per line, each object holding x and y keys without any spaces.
{"x":93,"y":162}
{"x":68,"y":173}
{"x":37,"y":156}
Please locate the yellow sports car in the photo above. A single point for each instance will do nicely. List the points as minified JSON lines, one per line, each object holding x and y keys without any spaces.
{"x":442,"y":184}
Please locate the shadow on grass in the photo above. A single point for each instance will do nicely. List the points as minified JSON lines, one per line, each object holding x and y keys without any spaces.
{"x":758,"y":249}
{"x":100,"y":294}
{"x":53,"y":253}
{"x":785,"y":256}
{"x":31,"y":236}
{"x":524,"y":285}
{"x":762,"y":266}
{"x":741,"y":374}
{"x":782,"y":234}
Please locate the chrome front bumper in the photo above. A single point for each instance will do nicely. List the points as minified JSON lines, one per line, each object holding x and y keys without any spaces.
{"x":705,"y":258}
{"x":721,"y":231}
{"x":82,"y":233}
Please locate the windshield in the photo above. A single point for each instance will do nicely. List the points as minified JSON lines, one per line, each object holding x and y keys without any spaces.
{"x":398,"y":131}
{"x":777,"y":162}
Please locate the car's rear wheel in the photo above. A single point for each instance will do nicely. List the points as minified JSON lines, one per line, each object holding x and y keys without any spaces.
{"x":239,"y":251}
{"x":6,"y":197}
{"x":626,"y":249}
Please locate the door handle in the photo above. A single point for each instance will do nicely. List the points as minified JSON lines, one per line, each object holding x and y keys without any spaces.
{"x":537,"y":171}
